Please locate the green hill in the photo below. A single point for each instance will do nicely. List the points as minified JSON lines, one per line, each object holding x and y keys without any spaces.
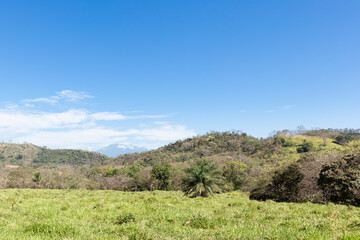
{"x":223,"y":147}
{"x":31,"y":155}
{"x":317,"y":166}
{"x":250,"y":163}
{"x":18,"y":154}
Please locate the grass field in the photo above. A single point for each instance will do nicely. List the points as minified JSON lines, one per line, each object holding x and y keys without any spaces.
{"x":77,"y":214}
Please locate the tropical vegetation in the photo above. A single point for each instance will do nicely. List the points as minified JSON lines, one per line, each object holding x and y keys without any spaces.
{"x":318,"y":166}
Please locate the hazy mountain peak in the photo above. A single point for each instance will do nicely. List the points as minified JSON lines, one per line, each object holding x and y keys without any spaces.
{"x":117,"y":149}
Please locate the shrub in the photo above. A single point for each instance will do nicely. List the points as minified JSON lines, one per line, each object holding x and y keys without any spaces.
{"x":310,"y":167}
{"x":340,"y":180}
{"x":37,"y":177}
{"x":250,"y":145}
{"x":110,"y":172}
{"x":286,"y":183}
{"x":343,"y":139}
{"x":119,"y":182}
{"x":162,"y":174}
{"x":288,"y":143}
{"x":305,"y":147}
{"x":234,"y":173}
{"x":144,"y":180}
{"x":131,"y":170}
{"x":279,"y":140}
{"x":284,"y":186}
{"x":262,"y":192}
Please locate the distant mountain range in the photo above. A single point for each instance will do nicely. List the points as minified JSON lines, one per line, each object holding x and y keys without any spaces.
{"x":115,"y":150}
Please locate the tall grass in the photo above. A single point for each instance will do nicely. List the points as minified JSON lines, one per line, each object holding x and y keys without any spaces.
{"x":77,"y":214}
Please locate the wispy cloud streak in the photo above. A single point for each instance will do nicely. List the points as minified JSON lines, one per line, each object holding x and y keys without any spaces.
{"x":282,"y":108}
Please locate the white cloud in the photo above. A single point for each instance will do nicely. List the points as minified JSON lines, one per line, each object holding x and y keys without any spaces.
{"x":164,"y":133}
{"x":117,"y":116}
{"x":11,"y":106}
{"x":72,"y":96}
{"x":89,"y":138}
{"x":28,"y":105}
{"x":25,"y":121}
{"x":161,"y":123}
{"x":44,"y":100}
{"x":65,"y":95}
{"x":93,"y":138}
{"x":21,"y":121}
{"x":108,"y":116}
{"x":81,"y":128}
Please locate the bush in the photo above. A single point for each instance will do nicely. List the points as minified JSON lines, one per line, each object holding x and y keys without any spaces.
{"x":343,"y":139}
{"x":110,"y":172}
{"x":310,"y":166}
{"x":162,"y":174}
{"x":284,"y":186}
{"x":288,"y":143}
{"x":234,"y":173}
{"x":286,"y":183}
{"x":119,"y":182}
{"x":250,"y":145}
{"x":262,"y":193}
{"x":131,"y":170}
{"x":37,"y":177}
{"x":340,"y":181}
{"x":305,"y":147}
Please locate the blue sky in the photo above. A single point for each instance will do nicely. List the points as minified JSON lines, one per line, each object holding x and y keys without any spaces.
{"x":84,"y":74}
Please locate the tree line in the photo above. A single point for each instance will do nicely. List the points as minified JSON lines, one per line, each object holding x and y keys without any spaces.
{"x":317,"y":166}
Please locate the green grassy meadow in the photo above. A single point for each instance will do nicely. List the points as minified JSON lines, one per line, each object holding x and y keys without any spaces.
{"x":81,"y":214}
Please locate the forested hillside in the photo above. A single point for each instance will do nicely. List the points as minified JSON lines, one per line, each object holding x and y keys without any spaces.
{"x":317,"y":166}
{"x":30,"y":155}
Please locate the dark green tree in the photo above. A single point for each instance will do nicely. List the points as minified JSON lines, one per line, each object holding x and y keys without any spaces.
{"x":340,"y":180}
{"x":162,"y":173}
{"x":286,"y":183}
{"x":284,"y":186}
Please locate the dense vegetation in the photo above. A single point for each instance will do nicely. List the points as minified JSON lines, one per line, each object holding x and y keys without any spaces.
{"x":75,"y":214}
{"x":28,"y":155}
{"x":294,"y":166}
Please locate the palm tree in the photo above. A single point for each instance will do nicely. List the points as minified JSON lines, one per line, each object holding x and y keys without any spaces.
{"x":203,"y":179}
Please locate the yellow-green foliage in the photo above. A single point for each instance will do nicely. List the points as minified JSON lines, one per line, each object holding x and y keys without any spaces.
{"x":322,"y":146}
{"x":75,"y":214}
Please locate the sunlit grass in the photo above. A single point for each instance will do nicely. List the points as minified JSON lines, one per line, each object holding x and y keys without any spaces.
{"x":77,"y":214}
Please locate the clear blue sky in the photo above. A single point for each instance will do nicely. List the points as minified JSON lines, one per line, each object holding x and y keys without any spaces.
{"x":176,"y":68}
